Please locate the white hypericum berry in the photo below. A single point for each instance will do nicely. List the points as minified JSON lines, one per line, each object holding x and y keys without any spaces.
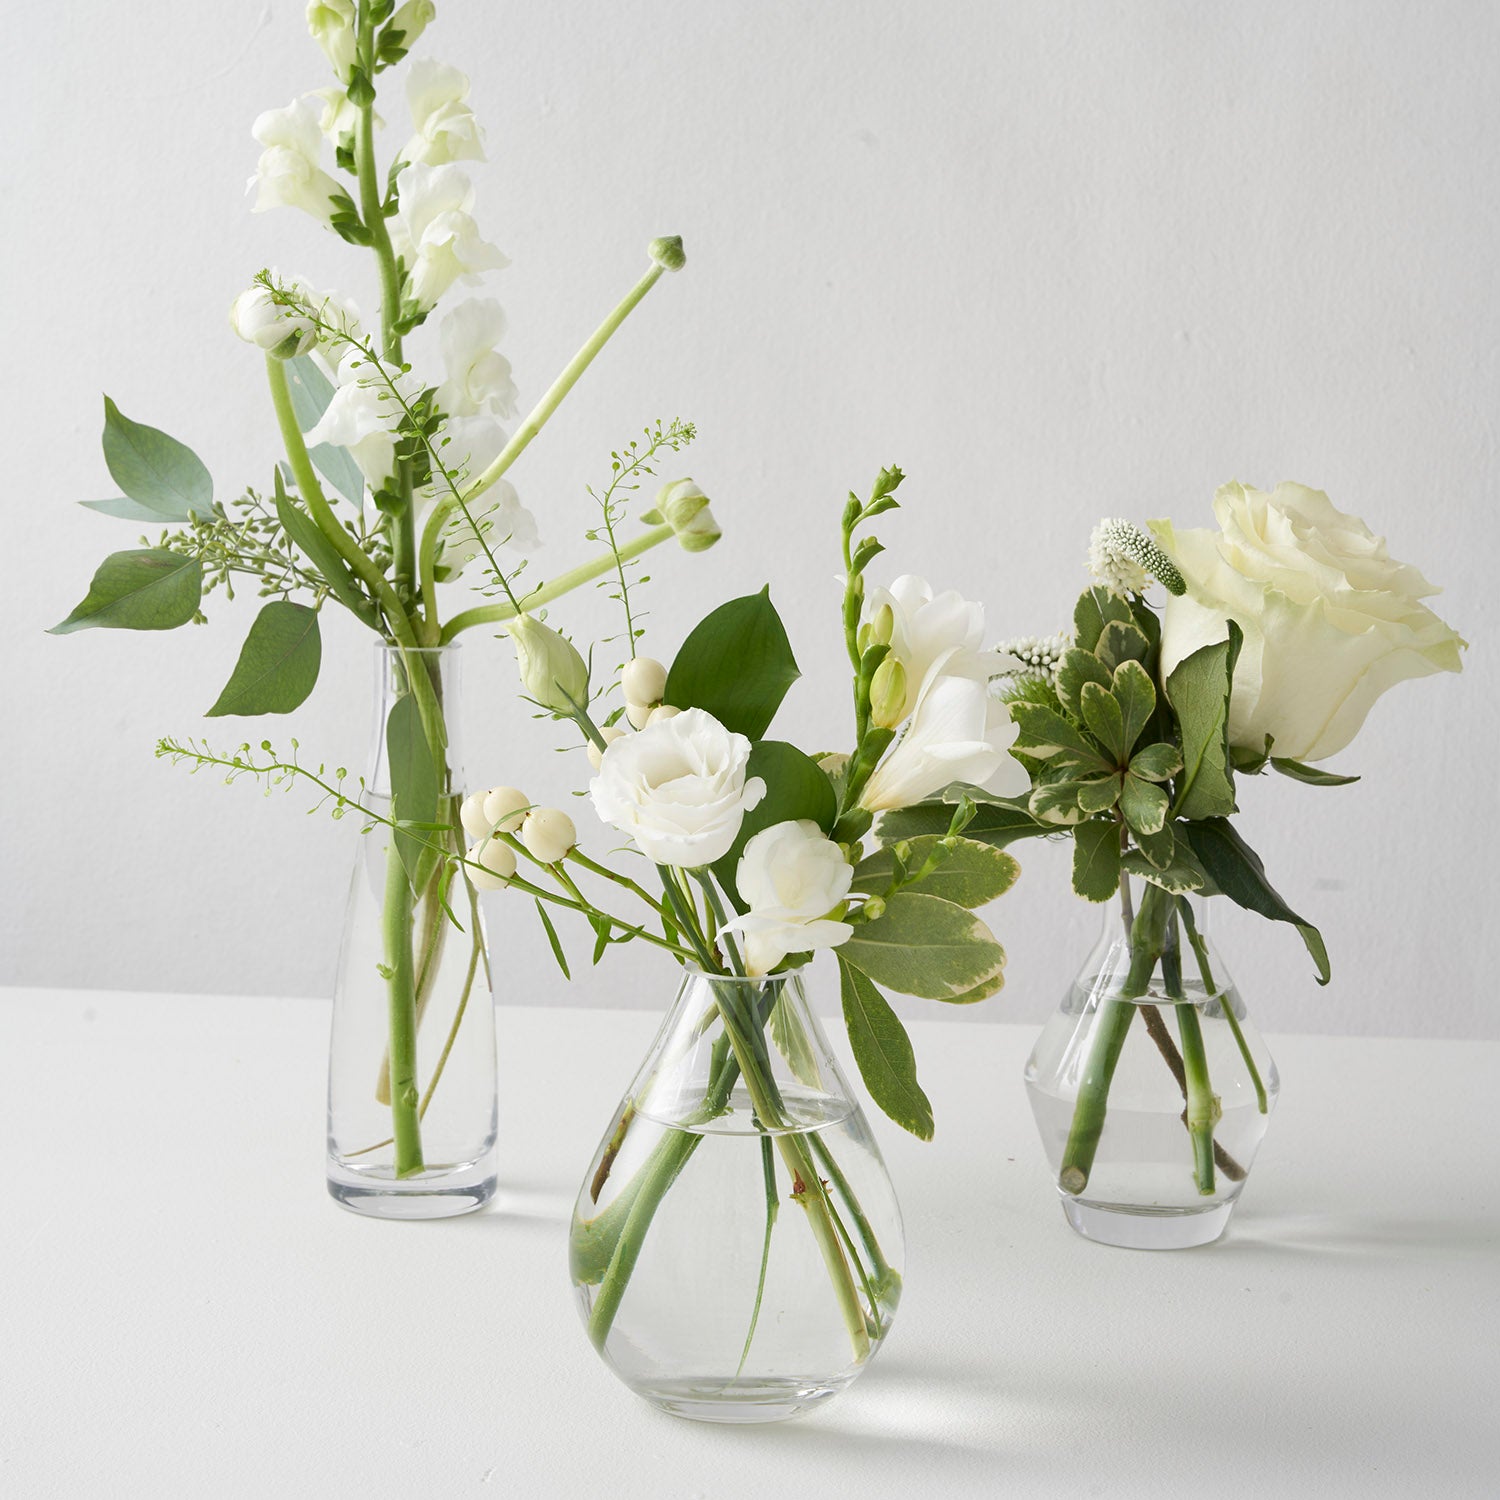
{"x":503,"y":806}
{"x":471,"y":815}
{"x":497,"y":861}
{"x":637,"y":714}
{"x":662,"y":711}
{"x":609,"y":734}
{"x":548,"y":833}
{"x":644,"y":680}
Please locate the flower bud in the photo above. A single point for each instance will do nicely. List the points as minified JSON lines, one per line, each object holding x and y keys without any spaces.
{"x":684,"y":507}
{"x":548,"y":833}
{"x":667,"y":251}
{"x":411,"y":21}
{"x":882,"y":626}
{"x":331,"y":25}
{"x":552,"y":671}
{"x":644,"y":680}
{"x":503,"y":808}
{"x":888,"y":694}
{"x":874,"y":908}
{"x":662,"y":711}
{"x":260,"y":320}
{"x":498,"y":862}
{"x":609,"y":734}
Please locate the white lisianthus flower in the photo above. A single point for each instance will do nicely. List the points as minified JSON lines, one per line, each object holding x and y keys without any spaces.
{"x":478,"y":376}
{"x":331,"y":23}
{"x":925,"y":629}
{"x":436,"y":231}
{"x":958,"y":732}
{"x":678,"y":788}
{"x":792,"y":876}
{"x":287,"y":174}
{"x":446,"y":129}
{"x":1330,"y":620}
{"x":364,"y":418}
{"x":260,"y":320}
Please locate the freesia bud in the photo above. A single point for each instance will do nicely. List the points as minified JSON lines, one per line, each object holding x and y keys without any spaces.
{"x":882,"y":626}
{"x":260,"y":320}
{"x":888,"y":694}
{"x":609,"y":734}
{"x":644,"y":680}
{"x":874,"y":908}
{"x":503,"y":808}
{"x":497,"y":862}
{"x":662,"y":711}
{"x":548,"y":833}
{"x":667,"y":251}
{"x":552,"y":671}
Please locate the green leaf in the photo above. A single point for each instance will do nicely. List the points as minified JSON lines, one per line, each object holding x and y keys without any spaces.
{"x":553,"y":940}
{"x":1144,"y":804}
{"x":1044,"y":732}
{"x":278,"y":665}
{"x":1235,"y":868}
{"x":884,"y":1053}
{"x":1136,"y":694}
{"x":925,"y":946}
{"x":1055,"y":804}
{"x":324,"y":556}
{"x":162,"y":475}
{"x":1122,"y":641}
{"x":1309,"y":774}
{"x":414,"y":776}
{"x":311,"y":391}
{"x":1156,"y":762}
{"x":796,"y":787}
{"x":1098,"y":794}
{"x":736,"y":664}
{"x":1160,"y":848}
{"x":129,"y":510}
{"x":146,"y":590}
{"x":1077,"y":668}
{"x":971,"y":875}
{"x":1101,"y":713}
{"x":791,"y":1041}
{"x":1198,"y":691}
{"x":1095,"y":609}
{"x":996,"y":821}
{"x":1178,"y":875}
{"x":1096,"y":860}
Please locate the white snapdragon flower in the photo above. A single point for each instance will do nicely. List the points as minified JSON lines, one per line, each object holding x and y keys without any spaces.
{"x":446,"y":129}
{"x":365,"y":418}
{"x":792,"y":876}
{"x":678,"y":788}
{"x":338,"y":115}
{"x":958,"y":732}
{"x":331,"y":23}
{"x":478,"y":377}
{"x":473,"y":443}
{"x":437,"y":233}
{"x":287,"y":174}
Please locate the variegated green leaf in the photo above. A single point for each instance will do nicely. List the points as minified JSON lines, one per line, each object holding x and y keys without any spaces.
{"x":1120,"y":641}
{"x":1136,"y":694}
{"x":1078,"y":667}
{"x":1101,"y":713}
{"x":1143,"y":803}
{"x":1156,"y":762}
{"x":1099,"y":794}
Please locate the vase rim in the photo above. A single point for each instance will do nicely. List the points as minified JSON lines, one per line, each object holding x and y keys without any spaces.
{"x":389,"y":648}
{"x":696,"y":971}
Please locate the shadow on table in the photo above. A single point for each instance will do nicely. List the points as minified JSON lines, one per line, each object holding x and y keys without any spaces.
{"x":1356,"y":1236}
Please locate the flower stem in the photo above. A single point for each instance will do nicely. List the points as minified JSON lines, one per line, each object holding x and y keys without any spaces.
{"x":1201,"y":1111}
{"x":402,"y":1004}
{"x":1211,"y":991}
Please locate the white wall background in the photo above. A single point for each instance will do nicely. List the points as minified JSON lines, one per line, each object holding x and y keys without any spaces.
{"x":1058,"y":260}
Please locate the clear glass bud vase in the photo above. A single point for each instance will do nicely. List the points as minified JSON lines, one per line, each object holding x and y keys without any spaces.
{"x":411,"y":1069}
{"x":1151,"y":1087}
{"x":737,"y":1244}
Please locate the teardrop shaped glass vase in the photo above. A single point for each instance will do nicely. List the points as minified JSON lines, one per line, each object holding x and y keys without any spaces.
{"x":1151,"y":1087}
{"x":737,"y":1246}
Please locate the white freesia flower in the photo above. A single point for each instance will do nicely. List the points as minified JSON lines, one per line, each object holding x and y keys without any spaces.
{"x":446,"y":129}
{"x":477,"y":375}
{"x":331,"y":23}
{"x":364,"y":418}
{"x":678,"y":788}
{"x":958,"y":732}
{"x":791,"y":876}
{"x":260,"y":320}
{"x":926,"y":629}
{"x":1330,"y":619}
{"x":436,"y":231}
{"x":287,"y":174}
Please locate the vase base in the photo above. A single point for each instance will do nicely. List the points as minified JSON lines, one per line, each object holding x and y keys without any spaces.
{"x":1142,"y":1228}
{"x":739,"y":1402}
{"x":433,"y":1195}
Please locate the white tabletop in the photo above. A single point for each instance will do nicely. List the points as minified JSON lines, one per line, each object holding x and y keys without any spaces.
{"x":184,"y":1311}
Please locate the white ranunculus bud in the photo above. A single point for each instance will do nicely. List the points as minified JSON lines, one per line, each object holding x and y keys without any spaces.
{"x":498,"y":861}
{"x":260,"y":320}
{"x":643,"y":680}
{"x":794,"y":880}
{"x":287,"y":174}
{"x":609,"y":734}
{"x":331,"y":23}
{"x":552,"y":672}
{"x":684,"y":507}
{"x":548,"y":833}
{"x":662,"y":711}
{"x":678,"y":788}
{"x":1330,"y":619}
{"x":504,"y":807}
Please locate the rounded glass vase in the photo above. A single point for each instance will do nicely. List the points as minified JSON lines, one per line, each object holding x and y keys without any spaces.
{"x":737,"y":1245}
{"x":412,"y":1086}
{"x":1151,"y":1087}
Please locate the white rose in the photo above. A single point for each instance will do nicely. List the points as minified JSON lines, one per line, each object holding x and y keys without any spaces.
{"x":445,"y":125}
{"x":678,"y":788}
{"x":926,"y":628}
{"x":260,"y":320}
{"x":436,"y":232}
{"x":1330,"y":619}
{"x":287,"y":174}
{"x":477,"y":375}
{"x":958,"y":732}
{"x":791,"y":876}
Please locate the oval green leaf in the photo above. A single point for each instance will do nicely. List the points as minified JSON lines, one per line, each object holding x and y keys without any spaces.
{"x":972,"y":875}
{"x":884,"y":1053}
{"x":923,"y":945}
{"x":278,"y":665}
{"x":159,"y":473}
{"x":152,"y":589}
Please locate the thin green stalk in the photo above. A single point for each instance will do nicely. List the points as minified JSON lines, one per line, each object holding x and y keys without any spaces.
{"x":1211,"y":990}
{"x":1200,"y":1114}
{"x":768,"y":1170}
{"x":402,"y":1001}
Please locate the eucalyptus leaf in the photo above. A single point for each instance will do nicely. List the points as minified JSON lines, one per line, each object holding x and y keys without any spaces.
{"x":736,"y":664}
{"x":159,"y":473}
{"x":923,"y":945}
{"x":414,"y":776}
{"x":131,"y":510}
{"x":151,"y":589}
{"x":278,"y":665}
{"x":1198,"y":690}
{"x":884,"y":1053}
{"x":1096,"y":859}
{"x":971,"y":875}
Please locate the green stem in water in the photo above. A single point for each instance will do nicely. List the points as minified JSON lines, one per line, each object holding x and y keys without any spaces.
{"x":1201,"y":1111}
{"x":768,"y":1170}
{"x":406,"y":1128}
{"x":1211,"y":990}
